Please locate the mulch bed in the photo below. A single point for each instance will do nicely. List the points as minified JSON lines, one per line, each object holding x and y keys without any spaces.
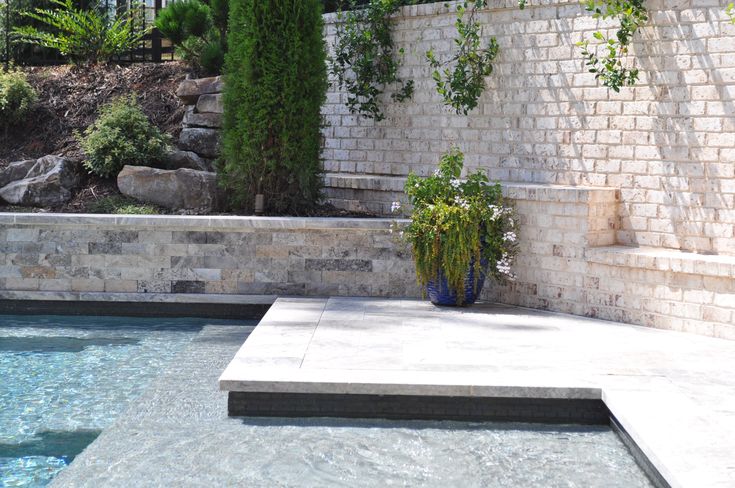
{"x":68,"y":102}
{"x":69,"y":99}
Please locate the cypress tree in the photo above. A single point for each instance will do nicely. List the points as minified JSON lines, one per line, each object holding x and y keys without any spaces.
{"x":275,"y":85}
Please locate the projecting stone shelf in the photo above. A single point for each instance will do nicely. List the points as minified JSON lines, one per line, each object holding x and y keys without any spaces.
{"x":672,"y":260}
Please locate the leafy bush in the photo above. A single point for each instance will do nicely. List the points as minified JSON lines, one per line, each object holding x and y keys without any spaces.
{"x":17,"y":97}
{"x":122,"y":135}
{"x":198,"y":32}
{"x":83,"y":36}
{"x":455,"y":223}
{"x":462,"y":84}
{"x":118,"y":204}
{"x":276,"y":82}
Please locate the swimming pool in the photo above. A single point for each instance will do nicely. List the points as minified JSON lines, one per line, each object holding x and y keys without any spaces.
{"x":75,"y":376}
{"x":67,"y":378}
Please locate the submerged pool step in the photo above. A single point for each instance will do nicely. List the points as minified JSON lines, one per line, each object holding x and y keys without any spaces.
{"x":419,"y":407}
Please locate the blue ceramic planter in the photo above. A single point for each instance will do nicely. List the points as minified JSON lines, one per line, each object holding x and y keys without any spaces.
{"x":439,"y":292}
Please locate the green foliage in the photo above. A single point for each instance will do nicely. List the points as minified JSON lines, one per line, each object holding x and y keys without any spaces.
{"x":364,"y":60}
{"x":455,"y":223}
{"x":184,"y":19}
{"x":83,"y":36}
{"x":276,"y":82}
{"x":122,"y":135}
{"x":461,"y":81}
{"x":609,"y":66}
{"x":118,"y":204}
{"x":730,"y":11}
{"x":17,"y":97}
{"x":197,"y":31}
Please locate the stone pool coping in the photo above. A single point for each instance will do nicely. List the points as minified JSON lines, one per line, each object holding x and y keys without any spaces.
{"x":671,"y":392}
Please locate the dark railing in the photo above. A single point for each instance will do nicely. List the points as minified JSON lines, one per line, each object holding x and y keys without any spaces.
{"x":152,"y":48}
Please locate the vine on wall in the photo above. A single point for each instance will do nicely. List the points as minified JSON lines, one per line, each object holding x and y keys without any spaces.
{"x":608,"y":66}
{"x":365,"y":60}
{"x":461,"y":80}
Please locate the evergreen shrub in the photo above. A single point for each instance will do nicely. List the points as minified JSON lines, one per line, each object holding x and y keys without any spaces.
{"x":122,"y":135}
{"x":276,"y":82}
{"x":17,"y":97}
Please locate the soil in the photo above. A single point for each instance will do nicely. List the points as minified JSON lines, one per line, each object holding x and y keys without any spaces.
{"x":68,"y":102}
{"x":69,"y":99}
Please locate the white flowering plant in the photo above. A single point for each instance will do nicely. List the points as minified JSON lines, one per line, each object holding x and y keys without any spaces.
{"x":458,"y":223}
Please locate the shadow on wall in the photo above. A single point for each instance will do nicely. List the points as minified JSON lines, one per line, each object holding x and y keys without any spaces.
{"x":690,"y":124}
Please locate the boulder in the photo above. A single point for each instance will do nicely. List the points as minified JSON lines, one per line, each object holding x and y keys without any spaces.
{"x":196,"y":119}
{"x":210,"y":104}
{"x":190,"y":90}
{"x":179,"y":189}
{"x":204,"y":142}
{"x":186,"y":159}
{"x":50,"y":180}
{"x":16,"y":171}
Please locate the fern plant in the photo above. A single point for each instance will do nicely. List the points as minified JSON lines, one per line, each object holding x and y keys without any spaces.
{"x":82,"y":36}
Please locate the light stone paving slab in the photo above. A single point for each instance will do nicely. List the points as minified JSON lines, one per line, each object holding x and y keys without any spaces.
{"x":673,"y":392}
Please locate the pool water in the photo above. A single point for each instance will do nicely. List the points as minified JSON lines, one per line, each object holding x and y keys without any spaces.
{"x":64,"y":379}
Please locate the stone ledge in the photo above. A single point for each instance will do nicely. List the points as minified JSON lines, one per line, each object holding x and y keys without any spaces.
{"x":199,"y":222}
{"x":514,"y":190}
{"x":658,"y":259}
{"x":138,"y":297}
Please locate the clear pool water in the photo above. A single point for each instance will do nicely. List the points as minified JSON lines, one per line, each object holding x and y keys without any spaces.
{"x":64,"y":379}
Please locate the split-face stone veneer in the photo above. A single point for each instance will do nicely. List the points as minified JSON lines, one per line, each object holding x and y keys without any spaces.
{"x":568,"y":261}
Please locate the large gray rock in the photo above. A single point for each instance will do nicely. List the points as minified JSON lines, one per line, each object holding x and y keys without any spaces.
{"x":205,"y":142}
{"x":186,"y":159}
{"x":16,"y":171}
{"x":195,"y":119}
{"x":210,"y":104}
{"x":49,"y":180}
{"x":190,"y":90}
{"x":180,"y":189}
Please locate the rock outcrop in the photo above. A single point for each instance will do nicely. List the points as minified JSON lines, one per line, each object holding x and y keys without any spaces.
{"x":187,"y":159}
{"x":203,"y":117}
{"x":46,"y":181}
{"x":175,"y":189}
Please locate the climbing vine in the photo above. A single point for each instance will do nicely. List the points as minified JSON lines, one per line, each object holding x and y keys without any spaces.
{"x":365,"y":61}
{"x":461,"y":80}
{"x":608,"y":66}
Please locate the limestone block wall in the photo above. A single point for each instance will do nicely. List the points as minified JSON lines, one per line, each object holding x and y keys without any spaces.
{"x":230,"y":255}
{"x":667,"y":144}
{"x":567,"y":263}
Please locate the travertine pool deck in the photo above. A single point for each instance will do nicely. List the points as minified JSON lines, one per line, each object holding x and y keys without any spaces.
{"x":673,"y":392}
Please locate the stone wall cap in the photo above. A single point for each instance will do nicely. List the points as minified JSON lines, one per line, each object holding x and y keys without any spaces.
{"x":662,"y":259}
{"x":199,"y":221}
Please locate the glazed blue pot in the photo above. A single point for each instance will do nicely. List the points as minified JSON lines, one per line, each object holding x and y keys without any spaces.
{"x":439,"y":293}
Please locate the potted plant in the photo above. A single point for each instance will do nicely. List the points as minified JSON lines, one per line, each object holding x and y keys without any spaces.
{"x":460,"y":231}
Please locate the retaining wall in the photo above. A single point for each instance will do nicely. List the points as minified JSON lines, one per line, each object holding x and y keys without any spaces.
{"x":667,"y":144}
{"x":568,"y":261}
